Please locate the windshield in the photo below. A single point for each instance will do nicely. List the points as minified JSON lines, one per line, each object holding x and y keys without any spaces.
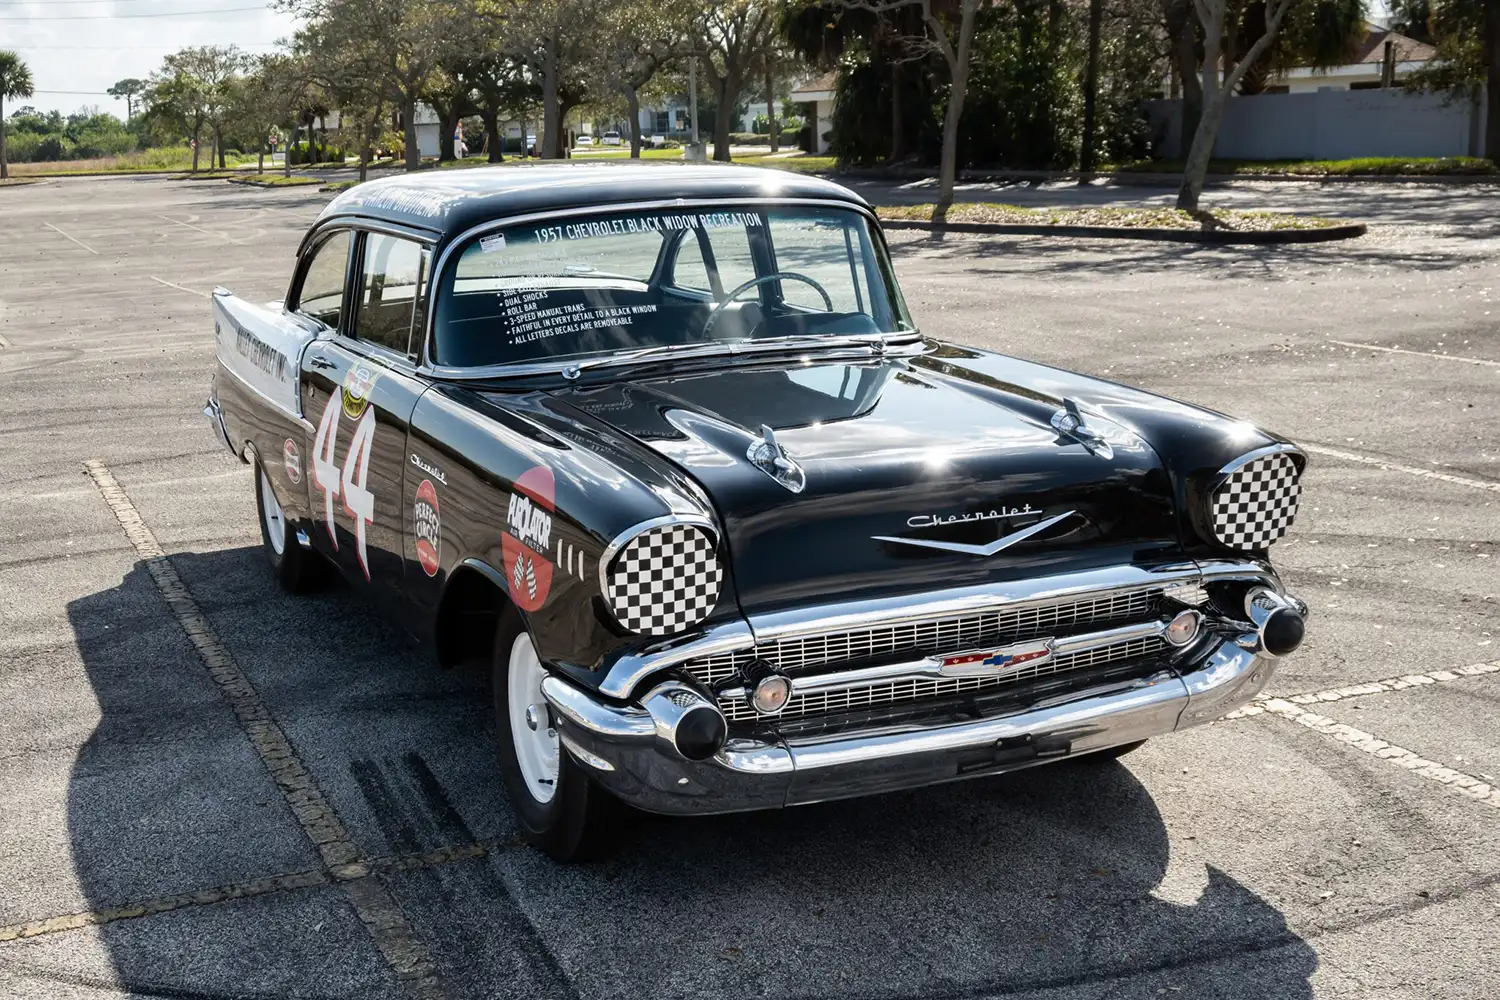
{"x":592,"y":285}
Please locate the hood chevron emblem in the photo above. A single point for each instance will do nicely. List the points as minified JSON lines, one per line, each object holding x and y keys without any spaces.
{"x":979,"y":550}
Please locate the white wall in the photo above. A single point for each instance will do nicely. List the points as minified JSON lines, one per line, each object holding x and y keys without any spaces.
{"x":1334,"y":125}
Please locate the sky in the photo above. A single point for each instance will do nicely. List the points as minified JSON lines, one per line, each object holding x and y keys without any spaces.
{"x":78,"y":48}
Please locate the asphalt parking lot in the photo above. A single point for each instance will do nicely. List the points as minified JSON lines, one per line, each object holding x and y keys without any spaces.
{"x":158,"y":784}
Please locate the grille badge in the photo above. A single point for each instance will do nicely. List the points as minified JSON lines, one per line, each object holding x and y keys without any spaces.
{"x":979,"y":550}
{"x":989,"y":662}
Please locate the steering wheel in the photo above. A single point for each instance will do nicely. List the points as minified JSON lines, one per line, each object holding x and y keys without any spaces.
{"x":713,"y":317}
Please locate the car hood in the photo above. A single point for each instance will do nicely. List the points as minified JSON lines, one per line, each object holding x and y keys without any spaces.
{"x":893,"y":453}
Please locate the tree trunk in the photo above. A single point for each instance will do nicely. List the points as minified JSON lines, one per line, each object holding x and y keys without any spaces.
{"x":1492,"y":54}
{"x":219,"y":144}
{"x":959,"y":68}
{"x":726,"y":91}
{"x":364,"y":154}
{"x":898,"y":126}
{"x":197,"y":134}
{"x":1196,"y":169}
{"x":550,"y":140}
{"x":1088,"y":157}
{"x":447,"y":125}
{"x":492,"y":137}
{"x":633,"y":103}
{"x":771,"y":111}
{"x":1183,"y":28}
{"x":409,"y":132}
{"x":4,"y":163}
{"x":260,"y":158}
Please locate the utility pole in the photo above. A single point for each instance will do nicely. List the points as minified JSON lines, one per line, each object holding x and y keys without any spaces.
{"x":693,"y":95}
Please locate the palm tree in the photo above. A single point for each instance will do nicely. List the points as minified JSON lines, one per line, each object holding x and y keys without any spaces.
{"x":15,"y":82}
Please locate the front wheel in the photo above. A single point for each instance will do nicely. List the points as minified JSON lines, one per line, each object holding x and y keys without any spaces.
{"x":297,"y":569}
{"x":560,"y":808}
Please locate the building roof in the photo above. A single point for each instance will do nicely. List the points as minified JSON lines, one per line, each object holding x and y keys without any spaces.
{"x":1372,"y":48}
{"x":819,"y":88}
{"x":447,"y":203}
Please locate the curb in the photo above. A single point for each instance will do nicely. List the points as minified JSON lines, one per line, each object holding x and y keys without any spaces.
{"x":247,"y":182}
{"x":1217,"y":237}
{"x":1145,"y":179}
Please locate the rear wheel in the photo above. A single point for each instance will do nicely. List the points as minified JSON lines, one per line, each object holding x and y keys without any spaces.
{"x":560,"y":808}
{"x":297,"y":569}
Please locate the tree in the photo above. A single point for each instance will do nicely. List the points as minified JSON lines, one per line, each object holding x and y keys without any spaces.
{"x":951,"y":37}
{"x":15,"y":84}
{"x":1466,"y":34}
{"x":268,"y":98}
{"x":194,"y":88}
{"x":734,"y":36}
{"x":640,"y":38}
{"x":1214,"y":17}
{"x":128,"y":90}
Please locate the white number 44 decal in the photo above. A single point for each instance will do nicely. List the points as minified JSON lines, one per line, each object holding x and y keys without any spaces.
{"x":349,"y":483}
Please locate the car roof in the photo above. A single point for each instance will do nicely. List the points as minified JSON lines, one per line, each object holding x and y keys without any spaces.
{"x":448,"y":203}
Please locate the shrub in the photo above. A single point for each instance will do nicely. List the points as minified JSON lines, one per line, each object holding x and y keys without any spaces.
{"x":748,"y":139}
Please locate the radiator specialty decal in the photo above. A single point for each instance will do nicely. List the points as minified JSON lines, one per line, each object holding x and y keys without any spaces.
{"x":358,"y":385}
{"x":527,"y":539}
{"x":427,"y":527}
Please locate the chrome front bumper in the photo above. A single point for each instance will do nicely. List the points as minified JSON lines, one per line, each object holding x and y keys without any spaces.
{"x":629,"y":752}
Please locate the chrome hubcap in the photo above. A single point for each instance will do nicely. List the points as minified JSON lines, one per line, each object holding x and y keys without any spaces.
{"x":535,"y":740}
{"x":271,"y":512}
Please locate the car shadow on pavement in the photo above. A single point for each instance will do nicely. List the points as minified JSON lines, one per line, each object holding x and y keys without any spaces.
{"x":1056,"y":878}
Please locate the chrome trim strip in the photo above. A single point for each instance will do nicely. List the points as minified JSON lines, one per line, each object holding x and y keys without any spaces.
{"x":1271,"y":449}
{"x":849,"y":616}
{"x":932,"y":666}
{"x":426,"y":365}
{"x":630,"y":670}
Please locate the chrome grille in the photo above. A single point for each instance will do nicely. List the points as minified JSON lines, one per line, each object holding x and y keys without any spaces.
{"x":940,"y":635}
{"x":919,"y":689}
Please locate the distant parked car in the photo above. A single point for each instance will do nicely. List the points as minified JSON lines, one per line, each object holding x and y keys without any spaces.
{"x":584,"y":140}
{"x":610,"y":139}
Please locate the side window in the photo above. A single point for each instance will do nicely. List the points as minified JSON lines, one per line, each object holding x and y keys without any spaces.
{"x":322,"y":295}
{"x":392,"y":291}
{"x":689,"y":271}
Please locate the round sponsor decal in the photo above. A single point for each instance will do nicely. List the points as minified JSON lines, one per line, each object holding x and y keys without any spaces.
{"x":293,"y":459}
{"x":356,"y":390}
{"x":528,"y":538}
{"x":428,"y":529}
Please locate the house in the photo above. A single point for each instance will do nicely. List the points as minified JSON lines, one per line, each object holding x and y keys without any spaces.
{"x":817,"y":94}
{"x":1365,"y":68}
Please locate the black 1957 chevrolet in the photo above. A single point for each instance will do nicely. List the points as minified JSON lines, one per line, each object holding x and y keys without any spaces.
{"x":663,"y":446}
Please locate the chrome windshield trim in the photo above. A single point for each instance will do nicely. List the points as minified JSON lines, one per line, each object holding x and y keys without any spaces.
{"x":932,"y":666}
{"x":1270,"y":449}
{"x":464,"y":238}
{"x":629,"y":670}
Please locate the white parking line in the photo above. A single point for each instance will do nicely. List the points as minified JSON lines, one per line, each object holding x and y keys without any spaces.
{"x":74,"y":239}
{"x":1419,"y":354}
{"x":169,"y":284}
{"x":205,"y":232}
{"x":1465,"y":784}
{"x":1385,"y":686}
{"x":1412,"y":470}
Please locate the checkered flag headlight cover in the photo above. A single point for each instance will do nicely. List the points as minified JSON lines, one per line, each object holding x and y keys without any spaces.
{"x":1256,"y":504}
{"x":664,"y":580}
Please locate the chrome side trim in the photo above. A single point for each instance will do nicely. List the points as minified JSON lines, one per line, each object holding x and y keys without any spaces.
{"x":985,"y":551}
{"x":1270,"y":449}
{"x":215,"y":416}
{"x":932,"y":666}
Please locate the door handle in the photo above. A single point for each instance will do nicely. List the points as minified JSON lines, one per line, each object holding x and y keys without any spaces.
{"x":320,"y":362}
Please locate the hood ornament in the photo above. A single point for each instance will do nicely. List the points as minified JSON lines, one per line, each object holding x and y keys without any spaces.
{"x":770,"y":457}
{"x":1069,"y":422}
{"x":989,"y":549}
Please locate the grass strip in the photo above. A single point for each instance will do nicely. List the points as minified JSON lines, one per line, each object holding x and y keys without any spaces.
{"x":1127,"y":218}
